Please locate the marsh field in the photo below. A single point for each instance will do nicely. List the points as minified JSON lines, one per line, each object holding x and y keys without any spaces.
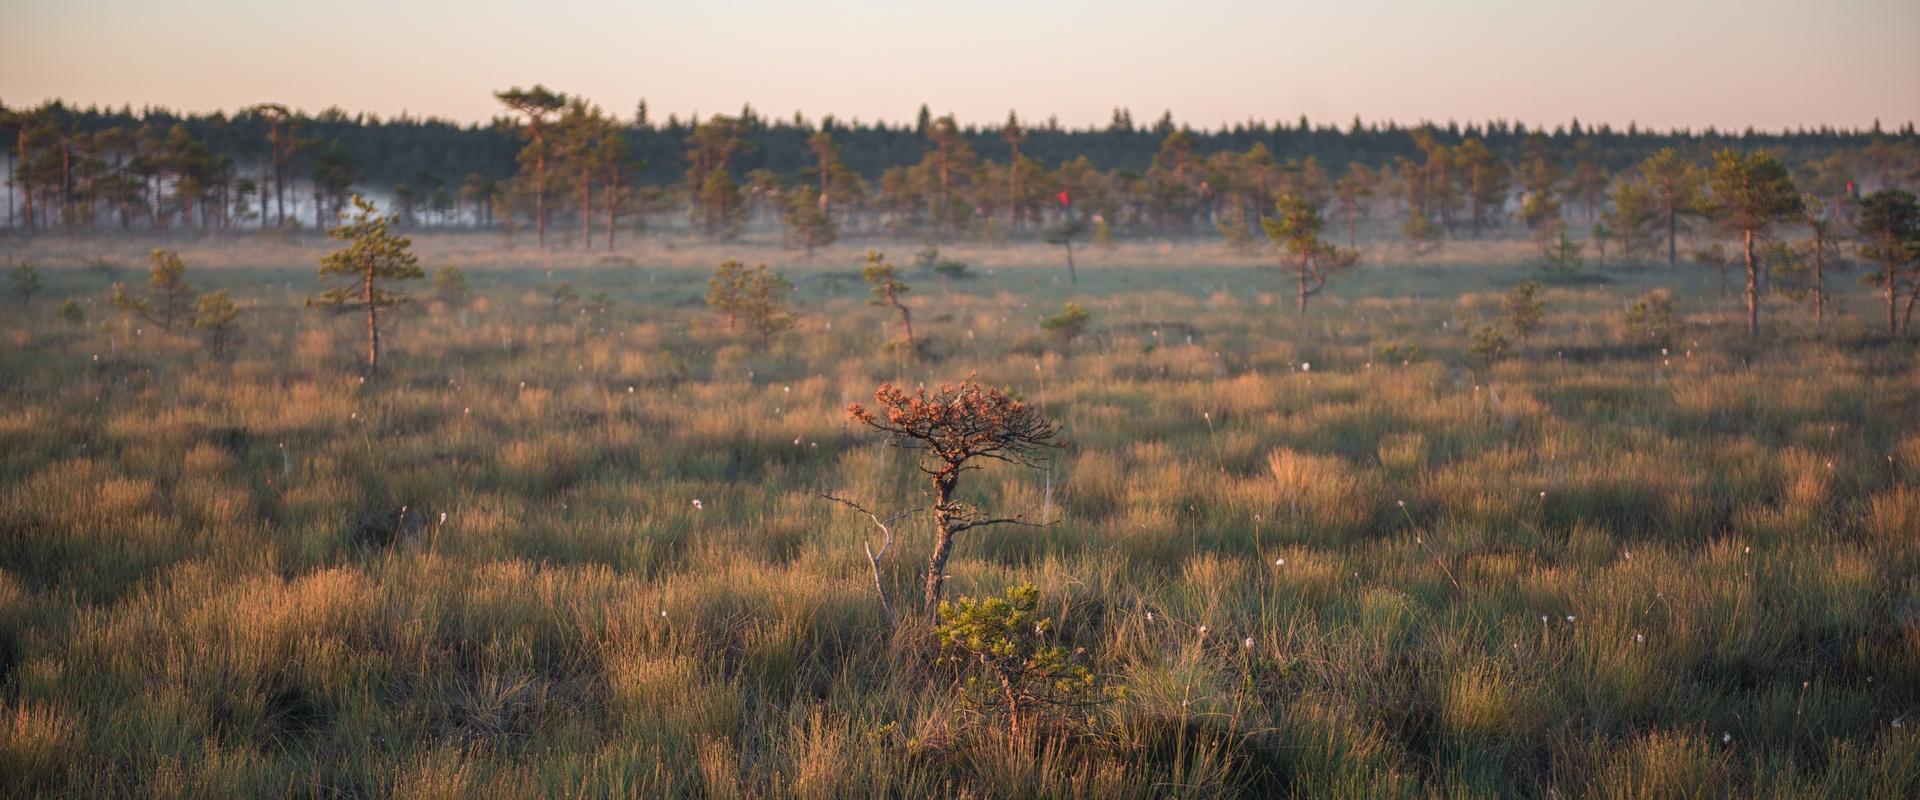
{"x":578,"y":549}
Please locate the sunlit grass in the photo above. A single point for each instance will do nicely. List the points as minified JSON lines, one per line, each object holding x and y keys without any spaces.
{"x":1589,"y":569}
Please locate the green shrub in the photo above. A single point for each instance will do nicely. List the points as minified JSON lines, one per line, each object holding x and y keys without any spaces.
{"x":1005,"y":650}
{"x":1524,"y":309}
{"x":1069,"y":324}
{"x":1489,"y":344}
{"x":1650,"y":318}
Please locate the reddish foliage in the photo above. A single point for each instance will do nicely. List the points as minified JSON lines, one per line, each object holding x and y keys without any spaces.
{"x":957,"y":423}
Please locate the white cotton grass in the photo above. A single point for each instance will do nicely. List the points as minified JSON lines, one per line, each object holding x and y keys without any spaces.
{"x":697,"y":505}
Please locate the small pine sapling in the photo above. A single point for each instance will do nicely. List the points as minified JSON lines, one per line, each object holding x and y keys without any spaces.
{"x":24,"y":283}
{"x":71,"y":313}
{"x":753,"y":299}
{"x":217,"y":319}
{"x":450,"y":287}
{"x":1524,"y":309}
{"x":1563,"y":254}
{"x":1067,"y":325}
{"x":1011,"y":662}
{"x":169,"y":299}
{"x":1650,"y":318}
{"x":887,"y":289}
{"x":1296,"y":228}
{"x":562,"y":299}
{"x":1488,"y":343}
{"x":372,"y":259}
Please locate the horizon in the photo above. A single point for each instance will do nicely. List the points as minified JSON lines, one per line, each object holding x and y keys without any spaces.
{"x":1724,"y":65}
{"x":1140,"y":123}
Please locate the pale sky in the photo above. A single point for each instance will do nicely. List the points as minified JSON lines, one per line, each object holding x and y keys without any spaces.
{"x":1662,"y":63}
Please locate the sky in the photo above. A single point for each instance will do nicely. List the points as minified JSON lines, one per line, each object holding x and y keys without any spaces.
{"x":1667,"y":63}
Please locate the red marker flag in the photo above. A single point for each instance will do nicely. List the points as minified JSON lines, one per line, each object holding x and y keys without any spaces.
{"x":1064,"y":199}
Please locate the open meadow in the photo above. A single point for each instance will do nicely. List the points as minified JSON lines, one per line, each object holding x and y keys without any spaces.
{"x":577,"y":547}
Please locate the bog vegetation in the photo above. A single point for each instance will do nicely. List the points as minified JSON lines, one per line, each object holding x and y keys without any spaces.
{"x":1508,"y":509}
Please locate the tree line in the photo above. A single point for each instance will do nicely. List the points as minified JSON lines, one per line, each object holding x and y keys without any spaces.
{"x":551,"y":160}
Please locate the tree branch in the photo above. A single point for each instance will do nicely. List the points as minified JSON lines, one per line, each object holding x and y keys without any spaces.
{"x":873,"y":557}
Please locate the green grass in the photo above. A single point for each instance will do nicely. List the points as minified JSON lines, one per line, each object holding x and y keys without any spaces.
{"x":1615,"y":573}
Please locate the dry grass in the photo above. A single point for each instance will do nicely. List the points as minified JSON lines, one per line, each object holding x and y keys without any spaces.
{"x":1616,"y":573}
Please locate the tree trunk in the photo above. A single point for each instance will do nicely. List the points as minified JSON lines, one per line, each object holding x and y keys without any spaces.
{"x":66,"y":185}
{"x":937,"y":565}
{"x":1013,"y":711}
{"x":540,"y":194}
{"x":608,"y":196}
{"x":1893,"y":298}
{"x":373,"y":328}
{"x":26,"y":178}
{"x":1303,"y":286}
{"x":940,"y":224}
{"x":586,"y":210}
{"x":1753,"y":290}
{"x":942,"y":540}
{"x":1906,"y":317}
{"x":1819,"y":280}
{"x":1013,"y":192}
{"x":1673,"y":236}
{"x":906,"y":322}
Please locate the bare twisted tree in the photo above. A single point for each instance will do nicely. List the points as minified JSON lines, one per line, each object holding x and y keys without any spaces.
{"x":954,"y":429}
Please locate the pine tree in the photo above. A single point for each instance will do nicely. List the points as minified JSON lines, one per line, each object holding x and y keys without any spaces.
{"x":1890,"y":236}
{"x":887,"y":288}
{"x":1296,"y":229}
{"x":755,"y":298}
{"x":24,"y":283}
{"x":1751,"y":193}
{"x":1676,"y":183}
{"x":951,"y":429}
{"x":538,"y":105}
{"x":217,"y":318}
{"x":717,"y":205}
{"x":373,"y":258}
{"x":168,"y":299}
{"x":809,"y":225}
